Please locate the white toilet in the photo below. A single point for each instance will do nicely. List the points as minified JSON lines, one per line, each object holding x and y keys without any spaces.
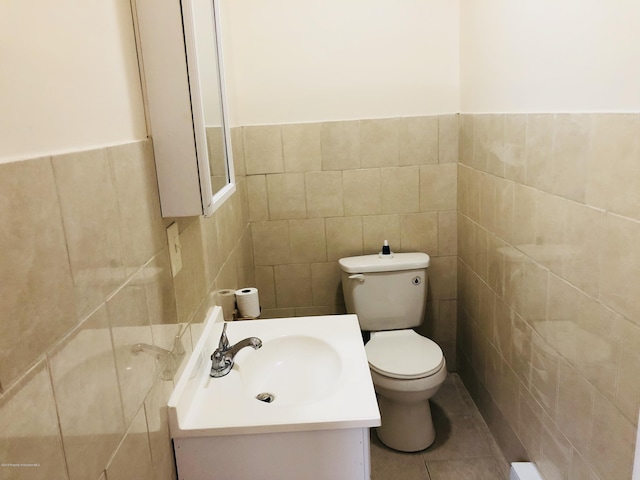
{"x":388,"y":292}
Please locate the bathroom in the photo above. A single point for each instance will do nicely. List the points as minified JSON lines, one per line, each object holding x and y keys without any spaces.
{"x":502,"y":139}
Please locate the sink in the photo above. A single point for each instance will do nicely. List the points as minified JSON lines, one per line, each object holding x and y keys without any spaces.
{"x":300,"y":407}
{"x":311,"y":373}
{"x":291,"y":370}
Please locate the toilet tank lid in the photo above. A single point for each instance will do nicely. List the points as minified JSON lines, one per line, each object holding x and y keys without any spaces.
{"x":384,"y":263}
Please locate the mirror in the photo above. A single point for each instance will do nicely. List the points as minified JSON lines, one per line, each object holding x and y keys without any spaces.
{"x":184,"y":86}
{"x":205,"y":59}
{"x":210,"y":88}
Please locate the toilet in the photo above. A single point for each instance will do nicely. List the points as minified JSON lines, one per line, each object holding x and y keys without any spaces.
{"x":388,"y":292}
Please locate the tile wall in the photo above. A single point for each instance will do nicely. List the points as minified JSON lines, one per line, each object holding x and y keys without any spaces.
{"x":321,"y":191}
{"x":85,"y":276}
{"x":536,"y":231}
{"x":549,"y":286}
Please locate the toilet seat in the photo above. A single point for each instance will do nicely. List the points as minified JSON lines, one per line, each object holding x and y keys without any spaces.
{"x":403,"y":354}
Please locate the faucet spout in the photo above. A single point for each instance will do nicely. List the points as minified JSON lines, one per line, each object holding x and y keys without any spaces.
{"x":253,"y":342}
{"x":222,"y":358}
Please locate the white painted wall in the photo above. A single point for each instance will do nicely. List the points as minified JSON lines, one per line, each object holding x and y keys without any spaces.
{"x":68,"y":77}
{"x":292,"y":61}
{"x":546,"y":56}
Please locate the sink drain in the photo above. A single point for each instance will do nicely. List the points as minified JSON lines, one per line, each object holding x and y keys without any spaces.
{"x":266,"y":397}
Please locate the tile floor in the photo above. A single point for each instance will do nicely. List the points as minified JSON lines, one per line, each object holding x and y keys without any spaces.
{"x":464,"y":448}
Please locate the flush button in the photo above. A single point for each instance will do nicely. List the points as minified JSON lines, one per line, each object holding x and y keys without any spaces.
{"x":416,"y":280}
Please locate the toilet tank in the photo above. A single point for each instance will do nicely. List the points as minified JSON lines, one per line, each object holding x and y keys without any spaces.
{"x":387,"y":292}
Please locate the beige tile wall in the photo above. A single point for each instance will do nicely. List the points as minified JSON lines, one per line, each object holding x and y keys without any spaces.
{"x":549,"y":284}
{"x":536,"y":231}
{"x":85,"y":275}
{"x":321,"y":191}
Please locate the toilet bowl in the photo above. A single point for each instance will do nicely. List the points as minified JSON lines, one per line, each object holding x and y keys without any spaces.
{"x":388,"y":292}
{"x":407,"y":370}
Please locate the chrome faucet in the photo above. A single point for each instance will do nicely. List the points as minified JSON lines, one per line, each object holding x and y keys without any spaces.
{"x":222,"y":358}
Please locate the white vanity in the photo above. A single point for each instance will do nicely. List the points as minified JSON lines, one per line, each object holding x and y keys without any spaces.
{"x":298,"y":408}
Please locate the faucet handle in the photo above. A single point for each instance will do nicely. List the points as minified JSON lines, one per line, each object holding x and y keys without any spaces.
{"x":223,"y":344}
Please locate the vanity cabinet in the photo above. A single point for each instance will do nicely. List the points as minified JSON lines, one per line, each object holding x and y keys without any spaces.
{"x":313,"y":455}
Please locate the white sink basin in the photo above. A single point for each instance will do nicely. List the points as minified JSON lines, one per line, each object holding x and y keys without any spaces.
{"x":313,"y":372}
{"x":291,"y":370}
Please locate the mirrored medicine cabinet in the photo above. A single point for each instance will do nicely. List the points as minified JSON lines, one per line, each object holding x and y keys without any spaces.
{"x":181,"y":64}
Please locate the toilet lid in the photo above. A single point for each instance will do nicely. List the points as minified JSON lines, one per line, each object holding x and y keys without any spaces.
{"x":403,"y":354}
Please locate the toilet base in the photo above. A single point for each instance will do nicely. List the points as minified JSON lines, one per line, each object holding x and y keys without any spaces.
{"x":407,"y":427}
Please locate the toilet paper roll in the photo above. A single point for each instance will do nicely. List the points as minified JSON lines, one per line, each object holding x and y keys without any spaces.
{"x":226,"y":298}
{"x":248,"y":302}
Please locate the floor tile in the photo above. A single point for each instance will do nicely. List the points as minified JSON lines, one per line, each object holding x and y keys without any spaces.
{"x":451,"y":398}
{"x":482,"y":468}
{"x":464,"y":448}
{"x":457,"y":436}
{"x":388,"y":464}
